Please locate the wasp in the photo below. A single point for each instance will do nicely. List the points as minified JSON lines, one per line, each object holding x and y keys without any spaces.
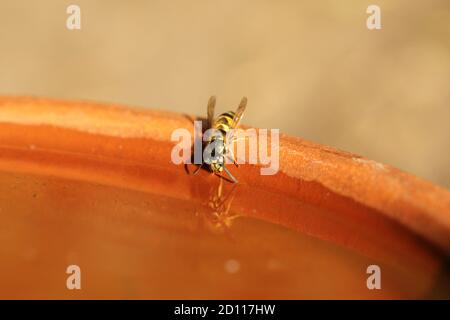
{"x":218,"y":142}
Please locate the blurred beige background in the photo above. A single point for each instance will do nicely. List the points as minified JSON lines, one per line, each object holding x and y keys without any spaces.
{"x":310,"y":68}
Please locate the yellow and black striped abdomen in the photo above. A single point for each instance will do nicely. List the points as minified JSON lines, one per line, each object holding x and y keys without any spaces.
{"x":224,"y":122}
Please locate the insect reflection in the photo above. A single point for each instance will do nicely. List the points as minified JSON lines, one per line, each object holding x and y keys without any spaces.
{"x":218,"y":217}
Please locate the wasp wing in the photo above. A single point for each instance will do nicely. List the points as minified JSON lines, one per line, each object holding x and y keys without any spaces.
{"x":239,"y":112}
{"x":211,"y":106}
{"x":236,"y":119}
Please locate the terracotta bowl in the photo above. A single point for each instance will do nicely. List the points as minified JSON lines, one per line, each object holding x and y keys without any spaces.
{"x":94,"y":186}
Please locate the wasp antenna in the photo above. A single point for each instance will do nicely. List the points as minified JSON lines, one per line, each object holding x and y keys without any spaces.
{"x":229,"y":174}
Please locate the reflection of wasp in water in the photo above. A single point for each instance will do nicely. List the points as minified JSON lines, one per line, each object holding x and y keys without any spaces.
{"x":218,"y":142}
{"x":218,"y":217}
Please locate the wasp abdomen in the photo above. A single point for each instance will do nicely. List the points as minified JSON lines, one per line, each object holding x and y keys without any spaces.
{"x":224,"y":122}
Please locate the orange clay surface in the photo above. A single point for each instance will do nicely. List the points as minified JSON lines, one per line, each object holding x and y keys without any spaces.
{"x":94,"y":185}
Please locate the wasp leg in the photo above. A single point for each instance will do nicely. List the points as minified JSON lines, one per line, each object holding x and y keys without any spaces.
{"x":230,"y":175}
{"x":225,"y":178}
{"x":231,"y":148}
{"x":233,"y":139}
{"x":198,"y":169}
{"x":232,"y":157}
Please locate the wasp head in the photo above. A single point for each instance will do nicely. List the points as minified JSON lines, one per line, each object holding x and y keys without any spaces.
{"x":215,"y":156}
